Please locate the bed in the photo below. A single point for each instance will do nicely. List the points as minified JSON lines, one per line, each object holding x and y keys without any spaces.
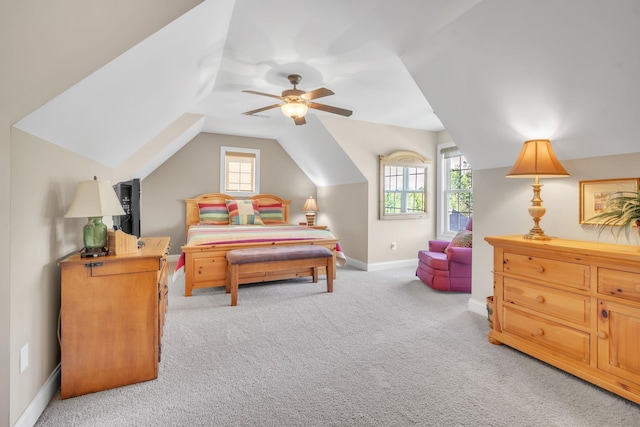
{"x":261,"y":220}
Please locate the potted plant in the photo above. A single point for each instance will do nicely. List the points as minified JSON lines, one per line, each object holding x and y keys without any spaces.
{"x":621,"y":212}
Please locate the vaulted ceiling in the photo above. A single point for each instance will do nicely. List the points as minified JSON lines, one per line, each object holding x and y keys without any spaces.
{"x":496,"y":72}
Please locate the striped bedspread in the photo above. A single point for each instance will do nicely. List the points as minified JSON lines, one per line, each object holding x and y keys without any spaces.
{"x":202,"y":235}
{"x":221,"y":234}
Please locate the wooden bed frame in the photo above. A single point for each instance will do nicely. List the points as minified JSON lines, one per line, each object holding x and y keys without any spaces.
{"x":206,"y":266}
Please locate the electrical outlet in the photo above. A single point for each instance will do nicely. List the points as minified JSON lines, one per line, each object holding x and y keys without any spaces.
{"x":24,"y":357}
{"x":393,"y":246}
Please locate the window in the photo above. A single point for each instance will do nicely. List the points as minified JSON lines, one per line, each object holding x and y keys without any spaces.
{"x":403,"y":184}
{"x":239,"y":171}
{"x":455,"y":190}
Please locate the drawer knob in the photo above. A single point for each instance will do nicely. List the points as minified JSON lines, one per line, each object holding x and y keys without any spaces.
{"x":539,"y":332}
{"x":602,"y":335}
{"x":540,"y":269}
{"x":540,"y":299}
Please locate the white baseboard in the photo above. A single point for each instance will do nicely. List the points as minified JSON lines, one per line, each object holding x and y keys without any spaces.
{"x":357,"y":264}
{"x":382,"y":265}
{"x":37,"y":406}
{"x":393,"y":264}
{"x":478,"y":307}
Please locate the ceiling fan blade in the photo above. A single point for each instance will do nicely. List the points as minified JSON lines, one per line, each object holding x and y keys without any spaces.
{"x":248,"y":113}
{"x":330,"y":109}
{"x":299,"y":120}
{"x":263,"y":94}
{"x":318,"y":93}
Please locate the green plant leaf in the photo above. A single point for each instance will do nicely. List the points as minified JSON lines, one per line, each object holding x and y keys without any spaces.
{"x":621,"y":213}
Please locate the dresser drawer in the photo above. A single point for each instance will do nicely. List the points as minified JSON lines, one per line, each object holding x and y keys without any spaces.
{"x":563,"y":273}
{"x":109,"y":265}
{"x":556,"y":337}
{"x":552,"y":302}
{"x":619,"y":283}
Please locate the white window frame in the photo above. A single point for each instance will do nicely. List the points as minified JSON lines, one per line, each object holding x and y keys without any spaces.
{"x":223,"y":172}
{"x":443,"y":204}
{"x":406,"y":160}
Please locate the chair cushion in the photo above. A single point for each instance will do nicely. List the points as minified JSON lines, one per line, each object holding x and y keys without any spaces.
{"x":435,"y":260}
{"x":277,"y":253}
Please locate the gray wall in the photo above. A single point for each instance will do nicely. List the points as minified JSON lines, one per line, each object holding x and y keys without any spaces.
{"x":195,"y":170}
{"x":45,"y":50}
{"x":500,"y":208}
{"x":350,"y":210}
{"x":364,"y":142}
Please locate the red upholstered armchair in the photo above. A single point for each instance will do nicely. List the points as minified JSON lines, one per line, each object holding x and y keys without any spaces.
{"x":446,"y":266}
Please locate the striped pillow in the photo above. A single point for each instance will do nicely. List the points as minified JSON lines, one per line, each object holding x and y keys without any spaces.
{"x":271,"y":214}
{"x":214,"y":213}
{"x":243,"y":212}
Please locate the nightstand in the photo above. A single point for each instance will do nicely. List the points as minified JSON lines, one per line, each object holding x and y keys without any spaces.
{"x":318,"y":227}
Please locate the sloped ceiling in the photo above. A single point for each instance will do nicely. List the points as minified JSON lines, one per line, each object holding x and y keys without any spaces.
{"x":496,"y":72}
{"x":118,"y":109}
{"x":507,"y":71}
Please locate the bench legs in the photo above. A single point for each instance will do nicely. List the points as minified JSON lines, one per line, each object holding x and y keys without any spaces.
{"x":331,"y":273}
{"x":232,"y":283}
{"x":233,"y":277}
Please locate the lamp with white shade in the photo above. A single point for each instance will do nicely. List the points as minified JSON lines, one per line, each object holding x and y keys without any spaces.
{"x":536,"y":160}
{"x":93,"y":200}
{"x":310,"y":208}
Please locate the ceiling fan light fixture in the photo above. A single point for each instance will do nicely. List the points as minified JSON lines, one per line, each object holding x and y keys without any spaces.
{"x":294,"y":109}
{"x":296,"y":103}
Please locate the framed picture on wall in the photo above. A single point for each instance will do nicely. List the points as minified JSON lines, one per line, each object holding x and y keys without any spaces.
{"x":595,"y":193}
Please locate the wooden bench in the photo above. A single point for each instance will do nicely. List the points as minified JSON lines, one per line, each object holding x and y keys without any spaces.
{"x":253,"y":265}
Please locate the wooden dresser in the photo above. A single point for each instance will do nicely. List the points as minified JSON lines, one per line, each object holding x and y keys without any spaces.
{"x":112,"y":314}
{"x":572,"y":304}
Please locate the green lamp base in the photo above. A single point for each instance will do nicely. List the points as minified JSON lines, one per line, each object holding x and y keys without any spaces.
{"x":94,"y":234}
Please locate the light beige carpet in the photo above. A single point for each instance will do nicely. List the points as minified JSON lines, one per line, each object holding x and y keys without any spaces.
{"x":382,"y":350}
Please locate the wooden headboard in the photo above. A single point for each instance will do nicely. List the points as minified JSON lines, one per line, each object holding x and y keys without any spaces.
{"x":193,"y":212}
{"x":270,"y":199}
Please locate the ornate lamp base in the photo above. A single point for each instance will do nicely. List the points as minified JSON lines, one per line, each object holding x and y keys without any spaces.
{"x":537,"y":211}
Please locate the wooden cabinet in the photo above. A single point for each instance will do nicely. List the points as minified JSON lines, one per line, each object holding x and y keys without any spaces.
{"x":572,"y":304}
{"x":112,"y":314}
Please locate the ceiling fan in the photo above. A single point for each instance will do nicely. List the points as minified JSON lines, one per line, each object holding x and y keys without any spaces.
{"x":296,"y":102}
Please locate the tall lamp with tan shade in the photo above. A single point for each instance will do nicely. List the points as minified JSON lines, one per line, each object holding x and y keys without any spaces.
{"x":535,"y":160}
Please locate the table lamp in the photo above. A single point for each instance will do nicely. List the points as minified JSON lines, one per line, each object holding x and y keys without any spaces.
{"x":310,"y":207}
{"x":535,"y":160}
{"x":94,"y":199}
